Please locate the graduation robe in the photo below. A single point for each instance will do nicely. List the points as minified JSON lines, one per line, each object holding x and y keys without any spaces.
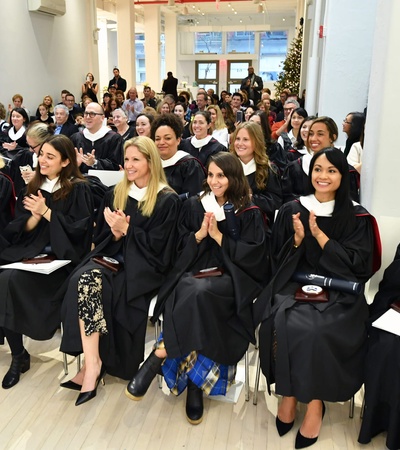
{"x":315,"y":350}
{"x":30,"y":302}
{"x":382,"y":367}
{"x":147,"y":250}
{"x":213,"y":315}
{"x":202,"y":153}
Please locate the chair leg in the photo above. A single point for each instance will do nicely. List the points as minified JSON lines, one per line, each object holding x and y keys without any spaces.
{"x":257,"y":382}
{"x":246,"y":377}
{"x":78,"y":363}
{"x":362,"y":407}
{"x":65,"y":363}
{"x":351,"y":411}
{"x":157,"y":334}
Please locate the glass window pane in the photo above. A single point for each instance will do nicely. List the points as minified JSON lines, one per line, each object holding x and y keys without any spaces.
{"x":207,"y":71}
{"x":140,"y":58}
{"x":238,"y":70}
{"x":240,"y":42}
{"x":209,"y":42}
{"x":273,"y":49}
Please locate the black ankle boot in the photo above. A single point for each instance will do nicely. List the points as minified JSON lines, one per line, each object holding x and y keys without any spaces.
{"x":194,"y":404}
{"x":139,"y":384}
{"x":19,"y":364}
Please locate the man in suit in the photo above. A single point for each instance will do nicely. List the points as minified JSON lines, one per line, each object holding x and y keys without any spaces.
{"x":170,"y":85}
{"x":63,"y":125}
{"x":117,"y":81}
{"x":253,"y":85}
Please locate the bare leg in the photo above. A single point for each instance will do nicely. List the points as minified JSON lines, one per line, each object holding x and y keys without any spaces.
{"x":287,"y":409}
{"x":92,"y":366}
{"x":312,"y":422}
{"x":161,"y":353}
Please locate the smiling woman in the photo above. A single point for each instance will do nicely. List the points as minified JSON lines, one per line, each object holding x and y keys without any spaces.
{"x":53,"y":215}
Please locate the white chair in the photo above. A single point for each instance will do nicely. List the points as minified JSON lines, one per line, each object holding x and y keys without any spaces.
{"x":157,"y":329}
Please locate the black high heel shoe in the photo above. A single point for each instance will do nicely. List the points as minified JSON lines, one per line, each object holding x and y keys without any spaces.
{"x":139,"y":384}
{"x":303,"y":442}
{"x":283,"y":427}
{"x":19,"y":364}
{"x":84,"y":397}
{"x":71,"y":385}
{"x":194,"y":404}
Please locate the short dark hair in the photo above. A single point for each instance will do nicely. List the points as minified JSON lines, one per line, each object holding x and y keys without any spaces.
{"x":167,"y":120}
{"x":238,"y":94}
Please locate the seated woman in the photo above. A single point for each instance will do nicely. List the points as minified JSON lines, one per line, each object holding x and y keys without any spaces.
{"x":143,"y":124}
{"x":322,"y":134}
{"x":202,"y":145}
{"x":184,"y":172}
{"x":287,"y":140}
{"x":180,"y":112}
{"x":23,"y":166}
{"x":208,"y":321}
{"x":120,"y":122}
{"x":353,"y":126}
{"x":265,"y":183}
{"x":15,"y":138}
{"x":53,"y":215}
{"x":314,"y":351}
{"x":219,"y":130}
{"x":44,"y":114}
{"x":109,"y":298}
{"x":382,"y":368}
{"x":299,"y":147}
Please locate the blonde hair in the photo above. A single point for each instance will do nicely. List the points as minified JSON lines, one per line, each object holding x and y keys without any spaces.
{"x":260,"y":152}
{"x":149,"y":150}
{"x":219,"y":121}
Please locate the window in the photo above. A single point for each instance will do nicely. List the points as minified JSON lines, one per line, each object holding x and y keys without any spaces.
{"x":208,"y":43}
{"x":240,"y":42}
{"x":273,"y":49}
{"x":140,"y":58}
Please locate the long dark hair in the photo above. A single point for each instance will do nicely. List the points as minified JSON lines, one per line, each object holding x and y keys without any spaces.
{"x":299,"y":111}
{"x":68,"y":175}
{"x":238,"y":187}
{"x":343,"y":212}
{"x":264,"y":126}
{"x":300,"y":141}
{"x":356,"y":130}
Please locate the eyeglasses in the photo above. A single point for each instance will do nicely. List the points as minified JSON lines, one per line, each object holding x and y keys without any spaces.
{"x":35,"y":146}
{"x":91,"y":114}
{"x":288,"y":109}
{"x":348,"y":123}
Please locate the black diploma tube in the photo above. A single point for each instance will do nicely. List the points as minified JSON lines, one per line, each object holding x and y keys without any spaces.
{"x":233,"y":228}
{"x":350,"y":287}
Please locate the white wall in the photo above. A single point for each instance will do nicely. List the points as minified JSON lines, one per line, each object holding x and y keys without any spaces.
{"x":53,"y":52}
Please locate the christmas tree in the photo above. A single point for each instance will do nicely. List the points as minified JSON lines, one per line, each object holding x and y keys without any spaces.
{"x":289,"y":78}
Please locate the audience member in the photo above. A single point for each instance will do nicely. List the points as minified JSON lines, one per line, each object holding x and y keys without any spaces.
{"x":132,"y":105}
{"x":90,"y":88}
{"x":118,"y":82}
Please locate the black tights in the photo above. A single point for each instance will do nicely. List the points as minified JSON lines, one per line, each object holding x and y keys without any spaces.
{"x":14,"y":341}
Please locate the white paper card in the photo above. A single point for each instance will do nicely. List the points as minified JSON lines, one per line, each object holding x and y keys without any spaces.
{"x":44,"y":268}
{"x":390,"y":321}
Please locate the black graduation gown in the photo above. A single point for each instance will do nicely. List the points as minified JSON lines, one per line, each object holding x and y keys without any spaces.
{"x":186,"y":175}
{"x":295,"y":182}
{"x":23,"y":158}
{"x":213,"y":315}
{"x":147,"y":251}
{"x":270,"y":198}
{"x":21,"y":143}
{"x":202,"y":153}
{"x":320,"y":347}
{"x":109,"y":150}
{"x":382,"y":368}
{"x":7,"y":201}
{"x":30,"y":302}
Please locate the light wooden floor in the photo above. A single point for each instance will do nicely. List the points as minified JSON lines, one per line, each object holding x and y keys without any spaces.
{"x":38,"y":414}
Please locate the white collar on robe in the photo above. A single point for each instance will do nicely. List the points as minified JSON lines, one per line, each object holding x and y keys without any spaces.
{"x":138,"y":193}
{"x":96,"y":136}
{"x":303,"y":150}
{"x":174,"y":159}
{"x":50,"y":185}
{"x":198,"y":143}
{"x":14,"y":136}
{"x":305,"y":163}
{"x":321,"y":209}
{"x":210,"y":204}
{"x":249,"y":168}
{"x":34,"y":160}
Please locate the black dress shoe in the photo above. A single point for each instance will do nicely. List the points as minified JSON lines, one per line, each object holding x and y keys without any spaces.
{"x":71,"y":385}
{"x":303,"y":442}
{"x":19,"y":364}
{"x":84,"y":397}
{"x":194,"y":404}
{"x":139,"y":384}
{"x":283,"y":427}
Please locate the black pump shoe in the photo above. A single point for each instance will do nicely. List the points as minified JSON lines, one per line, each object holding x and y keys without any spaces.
{"x":19,"y":364}
{"x":84,"y":397}
{"x":194,"y":404}
{"x":71,"y":385}
{"x":303,"y":442}
{"x":283,"y":427}
{"x":139,"y":384}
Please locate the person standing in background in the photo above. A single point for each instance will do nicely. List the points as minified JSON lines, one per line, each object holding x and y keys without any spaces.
{"x":170,"y":85}
{"x":253,"y":85}
{"x":117,"y":81}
